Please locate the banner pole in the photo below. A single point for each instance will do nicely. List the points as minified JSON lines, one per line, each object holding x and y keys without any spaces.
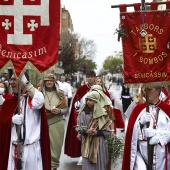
{"x":143,"y":5}
{"x":131,"y":5}
{"x":19,"y":162}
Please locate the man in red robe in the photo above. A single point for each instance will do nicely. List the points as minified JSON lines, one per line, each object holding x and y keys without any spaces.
{"x":72,"y":145}
{"x":30,"y":108}
{"x":135,"y":150}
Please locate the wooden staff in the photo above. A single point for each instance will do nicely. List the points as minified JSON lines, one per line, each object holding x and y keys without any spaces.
{"x":20,"y":149}
{"x":150,"y":147}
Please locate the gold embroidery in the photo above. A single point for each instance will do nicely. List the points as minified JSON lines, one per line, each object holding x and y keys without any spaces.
{"x":147,"y":44}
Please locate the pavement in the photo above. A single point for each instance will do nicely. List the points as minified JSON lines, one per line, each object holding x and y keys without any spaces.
{"x":68,"y":163}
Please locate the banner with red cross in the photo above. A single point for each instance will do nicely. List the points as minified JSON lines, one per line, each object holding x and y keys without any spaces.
{"x":146,"y":44}
{"x":29,"y":33}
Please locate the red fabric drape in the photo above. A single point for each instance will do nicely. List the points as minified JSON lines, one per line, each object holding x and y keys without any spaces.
{"x":119,"y":123}
{"x":168,"y":5}
{"x":154,"y":5}
{"x":6,"y":113}
{"x":72,"y":146}
{"x":137,"y":6}
{"x":122,"y":7}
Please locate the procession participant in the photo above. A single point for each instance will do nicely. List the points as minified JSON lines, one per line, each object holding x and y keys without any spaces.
{"x":116,"y":116}
{"x":141,"y":99}
{"x":5,"y":87}
{"x":164,"y":93}
{"x":107,"y":91}
{"x":106,"y":104}
{"x":70,"y":139}
{"x":125,"y":96}
{"x":135,"y":150}
{"x":56,"y":107}
{"x":3,"y":91}
{"x":99,"y":81}
{"x":34,"y":134}
{"x":66,"y":87}
{"x":138,"y":100}
{"x":94,"y":146}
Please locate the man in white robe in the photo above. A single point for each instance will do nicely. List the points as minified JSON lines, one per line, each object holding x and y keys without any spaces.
{"x":29,"y":120}
{"x":135,"y":151}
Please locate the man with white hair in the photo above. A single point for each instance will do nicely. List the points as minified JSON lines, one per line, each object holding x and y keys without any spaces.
{"x":158,"y":132}
{"x":30,"y":118}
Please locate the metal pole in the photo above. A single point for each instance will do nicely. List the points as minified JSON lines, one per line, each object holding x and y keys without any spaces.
{"x":143,"y":5}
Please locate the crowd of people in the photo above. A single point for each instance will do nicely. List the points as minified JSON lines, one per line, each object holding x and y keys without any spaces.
{"x":32,"y":124}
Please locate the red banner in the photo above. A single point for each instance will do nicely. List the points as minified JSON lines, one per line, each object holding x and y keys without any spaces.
{"x":146,"y":46}
{"x":29,"y":31}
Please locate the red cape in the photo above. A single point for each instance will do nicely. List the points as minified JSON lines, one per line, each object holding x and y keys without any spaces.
{"x":119,"y":123}
{"x":106,"y":93}
{"x":127,"y":148}
{"x":72,"y":145}
{"x":167,"y":100}
{"x":7,"y":110}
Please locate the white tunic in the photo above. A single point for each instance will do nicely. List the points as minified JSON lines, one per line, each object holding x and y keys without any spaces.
{"x":66,"y":87}
{"x":32,"y":150}
{"x":163,"y":124}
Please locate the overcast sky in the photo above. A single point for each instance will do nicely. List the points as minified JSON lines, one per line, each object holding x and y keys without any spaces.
{"x":96,"y":20}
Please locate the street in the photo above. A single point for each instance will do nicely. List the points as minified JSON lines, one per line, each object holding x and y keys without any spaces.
{"x":68,"y":163}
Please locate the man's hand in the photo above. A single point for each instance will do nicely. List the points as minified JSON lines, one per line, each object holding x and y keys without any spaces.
{"x":17,"y":119}
{"x":150,"y":132}
{"x":1,"y":90}
{"x":77,"y":105}
{"x":55,"y":110}
{"x":146,"y":117}
{"x":1,"y":97}
{"x":92,"y":131}
{"x":164,"y":138}
{"x":79,"y":136}
{"x":154,"y":140}
{"x":24,"y":79}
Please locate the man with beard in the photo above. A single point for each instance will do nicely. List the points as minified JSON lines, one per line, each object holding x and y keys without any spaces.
{"x":158,"y":117}
{"x":56,"y":107}
{"x":28,"y":129}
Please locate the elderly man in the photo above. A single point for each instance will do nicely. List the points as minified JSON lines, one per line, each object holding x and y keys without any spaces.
{"x":135,"y":151}
{"x":56,"y":107}
{"x":31,"y":122}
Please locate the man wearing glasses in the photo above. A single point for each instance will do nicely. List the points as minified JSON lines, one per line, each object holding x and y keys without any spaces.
{"x":158,"y":132}
{"x":24,"y":129}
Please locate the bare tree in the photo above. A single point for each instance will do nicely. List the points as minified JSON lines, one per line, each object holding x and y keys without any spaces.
{"x":77,"y":54}
{"x":86,"y":48}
